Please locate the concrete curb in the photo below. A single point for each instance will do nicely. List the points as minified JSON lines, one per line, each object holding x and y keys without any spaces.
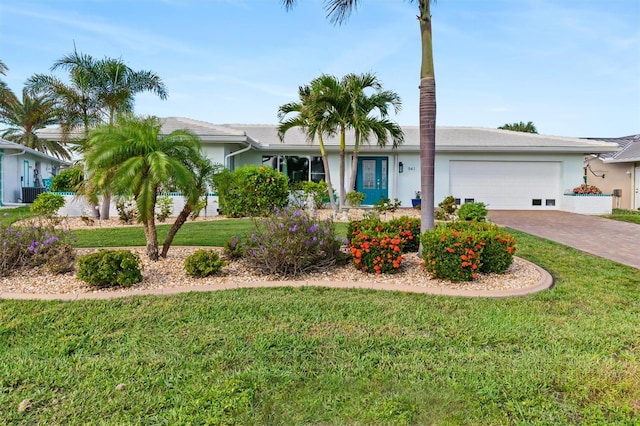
{"x":546,"y":282}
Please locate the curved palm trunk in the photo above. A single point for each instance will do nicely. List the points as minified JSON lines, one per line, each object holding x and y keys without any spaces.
{"x":151,"y":235}
{"x":427,"y":118}
{"x":180,"y":220}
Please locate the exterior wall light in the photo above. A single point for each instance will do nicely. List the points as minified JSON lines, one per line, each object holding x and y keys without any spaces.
{"x":400,"y":167}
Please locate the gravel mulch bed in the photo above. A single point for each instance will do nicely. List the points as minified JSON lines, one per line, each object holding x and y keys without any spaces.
{"x":169,"y":273}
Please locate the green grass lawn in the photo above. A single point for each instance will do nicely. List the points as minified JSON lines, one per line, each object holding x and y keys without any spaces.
{"x":632,"y":216}
{"x":570,"y":355}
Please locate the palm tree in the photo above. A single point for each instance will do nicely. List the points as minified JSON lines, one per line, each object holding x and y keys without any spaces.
{"x":310,"y":116}
{"x":520,"y":127}
{"x":139,"y":160}
{"x":4,"y":88}
{"x":339,"y":11}
{"x":99,"y":91}
{"x":365,"y":122}
{"x":28,"y":115}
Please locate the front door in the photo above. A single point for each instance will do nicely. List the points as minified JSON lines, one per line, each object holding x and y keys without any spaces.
{"x":372,"y":178}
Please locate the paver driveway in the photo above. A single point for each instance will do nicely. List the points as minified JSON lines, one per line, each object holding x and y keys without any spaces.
{"x":611,"y":239}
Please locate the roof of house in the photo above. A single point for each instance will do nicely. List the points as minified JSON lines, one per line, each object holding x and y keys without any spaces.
{"x":463,"y":139}
{"x":447,"y":139}
{"x":629,"y":151}
{"x":6,"y":145}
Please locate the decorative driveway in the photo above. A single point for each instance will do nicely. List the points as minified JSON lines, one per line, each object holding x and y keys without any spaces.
{"x":611,"y":239}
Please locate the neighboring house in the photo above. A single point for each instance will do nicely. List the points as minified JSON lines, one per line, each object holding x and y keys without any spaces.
{"x":25,"y":172}
{"x":504,"y":169}
{"x":617,"y":172}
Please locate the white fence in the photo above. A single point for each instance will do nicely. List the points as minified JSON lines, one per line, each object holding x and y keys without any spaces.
{"x":77,"y":206}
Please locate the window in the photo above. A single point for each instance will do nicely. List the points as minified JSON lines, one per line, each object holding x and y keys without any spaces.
{"x":549,"y":202}
{"x":469,"y":200}
{"x":536,"y":202}
{"x":296,"y":168}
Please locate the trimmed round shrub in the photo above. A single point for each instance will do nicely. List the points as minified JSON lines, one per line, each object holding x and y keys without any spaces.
{"x":404,"y":227}
{"x":67,"y":180}
{"x":476,"y":212}
{"x":251,"y":191}
{"x":451,"y":254}
{"x":47,"y":204}
{"x":203,"y":263}
{"x":376,"y":252}
{"x":110,"y":268}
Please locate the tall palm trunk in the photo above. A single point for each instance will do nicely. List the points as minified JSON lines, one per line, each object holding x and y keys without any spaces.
{"x":427,"y":118}
{"x":342,"y":149}
{"x":327,"y":175}
{"x":177,"y":224}
{"x":106,"y":206}
{"x":354,"y":162}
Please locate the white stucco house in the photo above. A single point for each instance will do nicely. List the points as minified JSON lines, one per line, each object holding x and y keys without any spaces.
{"x":25,"y":172}
{"x":503,"y":169}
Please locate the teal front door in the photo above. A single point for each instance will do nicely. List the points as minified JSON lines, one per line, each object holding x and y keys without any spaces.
{"x":373,"y":178}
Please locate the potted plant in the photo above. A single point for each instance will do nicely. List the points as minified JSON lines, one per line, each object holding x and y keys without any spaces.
{"x":416,"y":202}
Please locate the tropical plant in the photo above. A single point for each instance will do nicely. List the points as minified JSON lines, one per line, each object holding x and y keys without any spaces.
{"x":67,"y":180}
{"x":529,"y":127}
{"x":586,"y":189}
{"x":47,"y":204}
{"x":138,"y":160}
{"x":100,"y":89}
{"x":203,"y":263}
{"x":28,"y":115}
{"x":110,"y":268}
{"x":308,"y":113}
{"x":339,"y":11}
{"x":355,"y":198}
{"x":476,"y":212}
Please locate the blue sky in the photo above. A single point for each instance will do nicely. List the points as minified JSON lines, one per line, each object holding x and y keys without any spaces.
{"x":570,"y":66}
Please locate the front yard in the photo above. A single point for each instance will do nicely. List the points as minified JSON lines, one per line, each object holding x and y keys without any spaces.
{"x":632,"y":216}
{"x":570,"y":355}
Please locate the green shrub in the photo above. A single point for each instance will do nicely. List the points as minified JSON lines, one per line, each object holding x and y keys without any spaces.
{"x":476,"y":212}
{"x":164,"y":208}
{"x":355,"y":198}
{"x":406,"y":228}
{"x":234,"y":248}
{"x":447,"y":249}
{"x":498,"y":245}
{"x":47,"y":204}
{"x":375,"y":251}
{"x":291,"y":242}
{"x":251,"y":191}
{"x":447,"y":208}
{"x":36,"y":243}
{"x":110,"y":268}
{"x":203,"y":263}
{"x":451,"y":254}
{"x":67,"y":180}
{"x":317,"y":191}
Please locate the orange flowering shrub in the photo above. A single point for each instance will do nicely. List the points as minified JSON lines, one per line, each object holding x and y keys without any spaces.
{"x":405,"y":227}
{"x":458,"y":251}
{"x":376,"y":252}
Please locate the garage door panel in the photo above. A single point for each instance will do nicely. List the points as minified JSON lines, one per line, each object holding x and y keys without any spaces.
{"x":507,"y":184}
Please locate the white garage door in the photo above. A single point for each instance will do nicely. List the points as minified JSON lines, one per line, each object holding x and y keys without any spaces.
{"x":507,"y":185}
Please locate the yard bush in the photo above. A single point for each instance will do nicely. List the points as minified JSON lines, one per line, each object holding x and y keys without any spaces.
{"x":451,"y":254}
{"x":290,"y":242}
{"x":67,"y":180}
{"x":203,"y":263}
{"x":110,"y":268}
{"x":234,"y":248}
{"x":404,"y":227}
{"x":47,"y":204}
{"x":251,"y":191}
{"x":127,"y":210}
{"x":447,"y":208}
{"x":476,"y":212}
{"x":375,"y":251}
{"x":457,"y":251}
{"x":164,"y":208}
{"x":318,"y":191}
{"x":35,"y":243}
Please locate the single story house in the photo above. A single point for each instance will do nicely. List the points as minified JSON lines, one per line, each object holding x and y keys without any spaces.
{"x":503,"y":169}
{"x":617,"y":172}
{"x":25,"y":172}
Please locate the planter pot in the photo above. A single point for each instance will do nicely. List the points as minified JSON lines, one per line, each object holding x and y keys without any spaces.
{"x":416,"y":202}
{"x":593,"y":204}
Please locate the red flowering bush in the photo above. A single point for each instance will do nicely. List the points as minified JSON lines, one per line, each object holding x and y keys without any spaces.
{"x":405,"y":227}
{"x":373,"y":251}
{"x":587,"y":189}
{"x":498,"y":245}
